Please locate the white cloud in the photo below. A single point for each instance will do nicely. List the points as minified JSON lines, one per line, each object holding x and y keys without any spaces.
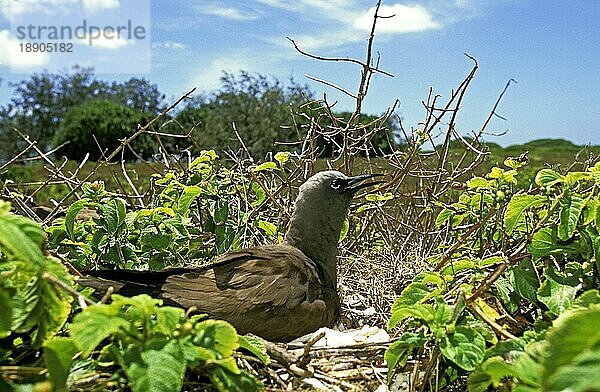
{"x":406,"y":19}
{"x":105,"y":43}
{"x":346,"y":21}
{"x":226,"y":12}
{"x":99,"y":5}
{"x":208,"y":78}
{"x":12,"y":56}
{"x":12,"y":8}
{"x":168,"y":45}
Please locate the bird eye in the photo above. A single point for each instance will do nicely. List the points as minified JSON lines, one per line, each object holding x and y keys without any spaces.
{"x":336,"y":184}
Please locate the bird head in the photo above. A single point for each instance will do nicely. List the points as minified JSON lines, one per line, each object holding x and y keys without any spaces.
{"x":321,"y":208}
{"x":333,"y":185}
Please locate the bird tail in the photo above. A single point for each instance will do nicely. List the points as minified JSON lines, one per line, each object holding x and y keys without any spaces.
{"x":126,"y":282}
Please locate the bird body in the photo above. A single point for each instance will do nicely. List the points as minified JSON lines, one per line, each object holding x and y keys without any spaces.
{"x":279,"y":292}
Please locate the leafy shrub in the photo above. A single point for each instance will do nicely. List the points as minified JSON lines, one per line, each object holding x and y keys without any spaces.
{"x":527,"y":256}
{"x":100,"y":124}
{"x":194,"y":214}
{"x":151,"y":346}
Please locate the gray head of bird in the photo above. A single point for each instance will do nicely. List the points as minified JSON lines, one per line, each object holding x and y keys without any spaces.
{"x":320,"y":210}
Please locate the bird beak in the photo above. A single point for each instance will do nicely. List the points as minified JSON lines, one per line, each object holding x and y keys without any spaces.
{"x":355,"y":184}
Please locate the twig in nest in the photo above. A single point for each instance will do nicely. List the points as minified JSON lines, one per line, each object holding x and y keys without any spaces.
{"x":305,"y":357}
{"x":284,"y":358}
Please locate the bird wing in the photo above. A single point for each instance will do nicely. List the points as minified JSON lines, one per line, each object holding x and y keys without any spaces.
{"x":276,"y":290}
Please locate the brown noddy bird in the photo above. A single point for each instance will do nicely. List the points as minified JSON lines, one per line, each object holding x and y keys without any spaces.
{"x":278,"y":292}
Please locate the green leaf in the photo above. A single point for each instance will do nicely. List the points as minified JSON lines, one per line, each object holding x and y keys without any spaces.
{"x":443,"y":216}
{"x":256,"y":347}
{"x":71,"y":215}
{"x":269,"y":228}
{"x":265,"y":166}
{"x":573,"y":178}
{"x":465,"y":347}
{"x":478,"y":182}
{"x":490,"y":372}
{"x":162,"y":367}
{"x":188,"y":195}
{"x":96,"y":323}
{"x":260,"y":193}
{"x":456,"y":266}
{"x":282,"y":157}
{"x":424,"y":312}
{"x":526,"y":281}
{"x":548,"y":177}
{"x":376,"y":197}
{"x":517,"y":206}
{"x":570,"y":211}
{"x":167,"y":319}
{"x":590,"y":297}
{"x":217,"y":335}
{"x":398,"y":352}
{"x":21,"y":238}
{"x":113,"y":215}
{"x":345,"y":229}
{"x":6,"y":312}
{"x":543,"y":242}
{"x":573,"y":358}
{"x":58,"y":356}
{"x":226,"y":381}
{"x":556,"y":296}
{"x":515,"y":163}
{"x":580,"y":375}
{"x":507,"y":294}
{"x":412,"y":294}
{"x":40,"y":305}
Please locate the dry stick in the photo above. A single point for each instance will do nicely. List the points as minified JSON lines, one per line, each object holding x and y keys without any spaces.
{"x":497,"y":328}
{"x":47,"y":153}
{"x":269,"y":194}
{"x":143,"y":129}
{"x":239,"y":138}
{"x":305,"y":357}
{"x":342,"y":59}
{"x":131,"y":185}
{"x":332,"y":85}
{"x":56,"y":173}
{"x":14,"y":159}
{"x":284,"y":358}
{"x":83,"y":301}
{"x":493,"y":112}
{"x":461,"y":240}
{"x":43,"y":155}
{"x":118,"y":149}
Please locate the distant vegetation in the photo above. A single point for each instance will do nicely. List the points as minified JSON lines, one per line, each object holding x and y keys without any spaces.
{"x":249,"y":112}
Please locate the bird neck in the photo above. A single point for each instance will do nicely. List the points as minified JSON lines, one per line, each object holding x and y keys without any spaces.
{"x":316,"y":233}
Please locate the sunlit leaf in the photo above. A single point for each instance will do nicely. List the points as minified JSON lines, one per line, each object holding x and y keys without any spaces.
{"x":570,"y":211}
{"x":188,"y":195}
{"x":256,"y":347}
{"x":517,"y":206}
{"x":548,"y":177}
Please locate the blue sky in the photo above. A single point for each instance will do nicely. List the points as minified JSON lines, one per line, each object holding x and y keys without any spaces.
{"x":551,"y":48}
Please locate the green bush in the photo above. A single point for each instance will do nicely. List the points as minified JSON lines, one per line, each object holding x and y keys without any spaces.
{"x":106,"y":121}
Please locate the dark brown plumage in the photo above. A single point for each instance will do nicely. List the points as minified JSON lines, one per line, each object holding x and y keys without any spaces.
{"x":279,"y":292}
